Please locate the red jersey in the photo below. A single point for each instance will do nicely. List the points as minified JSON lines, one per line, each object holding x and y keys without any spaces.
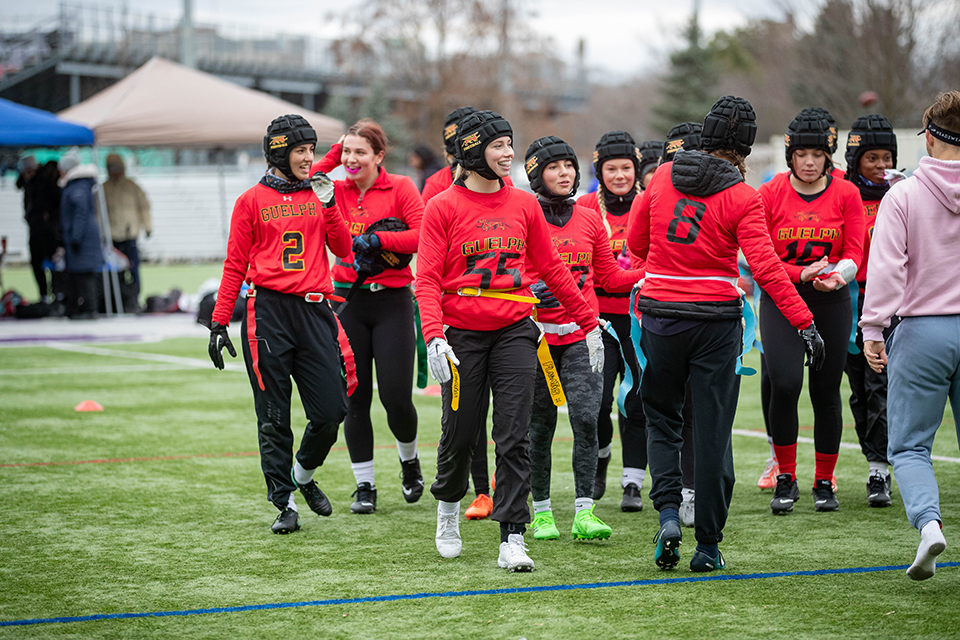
{"x":277,"y":241}
{"x":583,"y":246}
{"x":611,"y":301}
{"x":690,"y":242}
{"x":390,"y":196}
{"x":488,"y":240}
{"x":441,"y":181}
{"x":870,"y":208}
{"x":803,"y":232}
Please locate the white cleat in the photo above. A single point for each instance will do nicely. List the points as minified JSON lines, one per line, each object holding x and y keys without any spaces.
{"x":513,"y":554}
{"x":448,"y":535}
{"x":932,"y":544}
{"x":687,"y":508}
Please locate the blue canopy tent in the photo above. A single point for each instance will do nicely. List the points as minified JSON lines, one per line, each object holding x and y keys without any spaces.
{"x":22,"y":126}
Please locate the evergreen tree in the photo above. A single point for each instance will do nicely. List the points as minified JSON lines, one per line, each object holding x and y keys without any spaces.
{"x":689,"y":89}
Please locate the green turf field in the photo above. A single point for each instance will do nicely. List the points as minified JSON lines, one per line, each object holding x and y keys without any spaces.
{"x":157,"y":504}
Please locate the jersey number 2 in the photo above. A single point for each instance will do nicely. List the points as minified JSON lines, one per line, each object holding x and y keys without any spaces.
{"x":693,"y":220}
{"x":293,"y":251}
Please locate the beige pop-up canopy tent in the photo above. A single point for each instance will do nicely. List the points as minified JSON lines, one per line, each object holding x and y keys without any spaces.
{"x":165,"y":104}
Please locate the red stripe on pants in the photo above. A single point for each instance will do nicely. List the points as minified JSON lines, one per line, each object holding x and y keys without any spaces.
{"x":349,"y":364}
{"x":252,"y":340}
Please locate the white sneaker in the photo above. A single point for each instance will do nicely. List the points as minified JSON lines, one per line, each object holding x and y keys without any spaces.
{"x":448,"y":535}
{"x":513,"y":554}
{"x":687,"y":511}
{"x":932,"y":544}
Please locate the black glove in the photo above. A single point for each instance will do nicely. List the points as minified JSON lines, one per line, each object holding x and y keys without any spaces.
{"x":543,"y":293}
{"x":813,"y":345}
{"x":219,"y":338}
{"x":367,"y":244}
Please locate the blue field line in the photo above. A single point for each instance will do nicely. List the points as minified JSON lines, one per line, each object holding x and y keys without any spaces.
{"x":455,"y":594}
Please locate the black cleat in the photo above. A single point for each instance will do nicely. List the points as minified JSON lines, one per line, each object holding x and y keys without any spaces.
{"x":366,"y":501}
{"x":411,"y":480}
{"x":878,"y":490}
{"x":631,"y":501}
{"x":317,"y":502}
{"x":600,"y":482}
{"x":785,"y":495}
{"x":824,"y":499}
{"x":287,"y":522}
{"x":668,"y":541}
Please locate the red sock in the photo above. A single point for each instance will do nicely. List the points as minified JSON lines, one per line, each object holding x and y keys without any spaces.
{"x":787,"y":459}
{"x":826,"y":463}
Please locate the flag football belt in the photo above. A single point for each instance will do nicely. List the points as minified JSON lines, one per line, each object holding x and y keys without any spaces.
{"x":500,"y":294}
{"x":373,"y":287}
{"x":560,"y":329}
{"x":312,"y":297}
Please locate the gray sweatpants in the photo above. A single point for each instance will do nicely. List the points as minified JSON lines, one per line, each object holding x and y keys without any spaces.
{"x":582,"y":388}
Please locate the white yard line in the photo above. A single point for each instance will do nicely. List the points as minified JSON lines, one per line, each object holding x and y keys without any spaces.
{"x":194,"y":363}
{"x":843,"y":445}
{"x":120,"y":368}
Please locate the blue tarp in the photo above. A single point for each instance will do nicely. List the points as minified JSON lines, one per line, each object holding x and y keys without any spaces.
{"x":22,"y":126}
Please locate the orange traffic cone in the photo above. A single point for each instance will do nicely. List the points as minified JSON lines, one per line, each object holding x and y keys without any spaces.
{"x":88,"y":405}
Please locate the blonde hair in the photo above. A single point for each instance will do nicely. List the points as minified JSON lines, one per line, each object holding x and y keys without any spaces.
{"x":944,"y":112}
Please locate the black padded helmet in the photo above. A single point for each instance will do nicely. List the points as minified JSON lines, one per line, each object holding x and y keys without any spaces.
{"x":283,"y":134}
{"x":474,"y":133}
{"x":450,"y":128}
{"x":612,"y":145}
{"x":651,"y":152}
{"x":808,"y":131}
{"x":542,"y":152}
{"x":731,"y":124}
{"x":823,"y":113}
{"x":868,"y":133}
{"x":686,"y":136}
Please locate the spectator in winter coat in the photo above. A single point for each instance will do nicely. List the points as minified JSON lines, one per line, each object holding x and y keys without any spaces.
{"x":916,"y":235}
{"x":81,"y":234}
{"x":129,"y":212}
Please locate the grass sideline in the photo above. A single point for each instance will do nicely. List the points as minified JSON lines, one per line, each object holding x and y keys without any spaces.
{"x":188,"y":528}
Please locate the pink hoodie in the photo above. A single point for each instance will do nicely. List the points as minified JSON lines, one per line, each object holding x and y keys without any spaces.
{"x":914,"y":266}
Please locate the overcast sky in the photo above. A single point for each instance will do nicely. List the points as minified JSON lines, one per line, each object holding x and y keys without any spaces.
{"x":623,"y":37}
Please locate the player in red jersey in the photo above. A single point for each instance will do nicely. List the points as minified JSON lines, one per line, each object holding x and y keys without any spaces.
{"x":476,"y":242}
{"x":581,"y":239}
{"x":379,"y":320}
{"x":871,"y":152}
{"x":690,"y":223}
{"x":651,"y":153}
{"x":816,"y":224}
{"x":278,"y":234}
{"x":616,"y":163}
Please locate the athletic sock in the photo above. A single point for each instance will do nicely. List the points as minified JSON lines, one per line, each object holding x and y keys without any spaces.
{"x":826,"y":463}
{"x":668,"y":514}
{"x":632,"y":475}
{"x":363,"y":472}
{"x":540,"y":506}
{"x":291,"y":504}
{"x":605,"y":452}
{"x":879,"y":467}
{"x":509,"y":528}
{"x":711,"y":550}
{"x":407,"y":450}
{"x":583,"y":503}
{"x":448,"y":508}
{"x":787,"y":459}
{"x":301,"y":475}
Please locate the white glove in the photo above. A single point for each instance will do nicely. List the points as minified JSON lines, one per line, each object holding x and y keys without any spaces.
{"x":595,"y":347}
{"x":437,"y":353}
{"x":323,"y":187}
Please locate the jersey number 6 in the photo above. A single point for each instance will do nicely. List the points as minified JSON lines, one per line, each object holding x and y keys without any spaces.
{"x":485,"y":275}
{"x":293,"y":251}
{"x":679,"y":216}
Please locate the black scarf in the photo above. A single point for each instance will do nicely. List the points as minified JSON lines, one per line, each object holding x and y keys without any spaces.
{"x":868,"y":192}
{"x":557,"y":211}
{"x":282,"y":184}
{"x":618,"y":205}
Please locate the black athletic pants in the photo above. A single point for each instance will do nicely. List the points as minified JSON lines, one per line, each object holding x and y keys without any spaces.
{"x":706,"y":354}
{"x":380,"y":326}
{"x":81,"y":294}
{"x":285,"y":336}
{"x":43,"y":245}
{"x":505,"y":361}
{"x":478,"y":465}
{"x":633,"y":426}
{"x":868,"y":396}
{"x":784,"y":357}
{"x":581,"y":386}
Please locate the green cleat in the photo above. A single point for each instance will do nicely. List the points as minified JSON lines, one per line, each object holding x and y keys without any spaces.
{"x":544,"y":527}
{"x":587,"y":526}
